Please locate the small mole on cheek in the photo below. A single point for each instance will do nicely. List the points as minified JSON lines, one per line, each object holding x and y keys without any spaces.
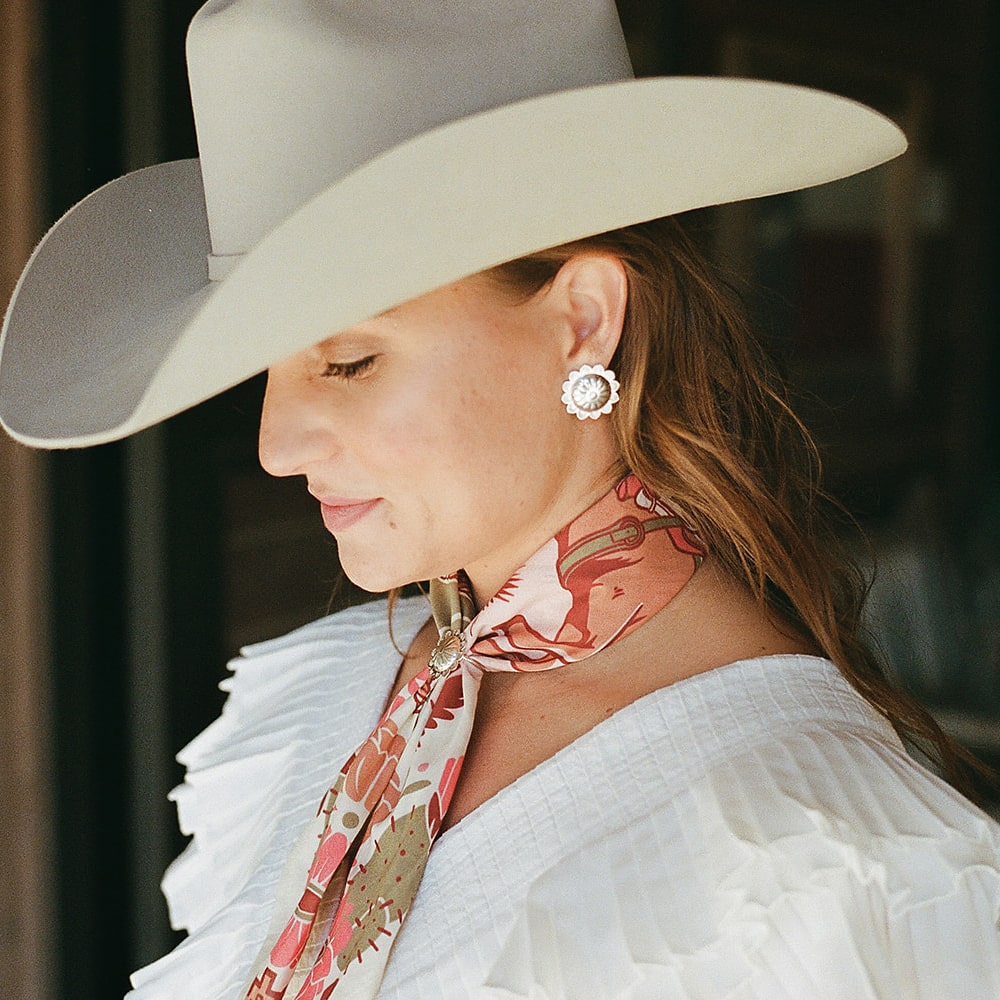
{"x":392,"y":525}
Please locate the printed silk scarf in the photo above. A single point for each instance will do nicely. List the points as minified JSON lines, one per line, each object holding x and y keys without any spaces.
{"x":602,"y":576}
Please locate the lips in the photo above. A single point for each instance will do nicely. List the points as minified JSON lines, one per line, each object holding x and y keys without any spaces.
{"x":339,"y":514}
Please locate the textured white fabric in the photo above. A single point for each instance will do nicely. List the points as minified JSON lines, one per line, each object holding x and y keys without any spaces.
{"x":769,"y":840}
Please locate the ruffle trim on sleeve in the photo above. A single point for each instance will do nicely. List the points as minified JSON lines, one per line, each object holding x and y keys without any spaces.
{"x":823,"y":864}
{"x":297,"y":706}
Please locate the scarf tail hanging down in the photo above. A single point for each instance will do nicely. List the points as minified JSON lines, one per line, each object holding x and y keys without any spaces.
{"x":613,"y":567}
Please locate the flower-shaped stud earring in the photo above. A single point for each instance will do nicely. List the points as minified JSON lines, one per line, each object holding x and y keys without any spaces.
{"x":590,"y":391}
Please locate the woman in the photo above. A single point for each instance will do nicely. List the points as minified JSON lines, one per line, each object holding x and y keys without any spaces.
{"x":636,"y":711}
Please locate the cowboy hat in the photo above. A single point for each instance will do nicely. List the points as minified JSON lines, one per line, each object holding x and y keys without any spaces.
{"x":354,"y":157}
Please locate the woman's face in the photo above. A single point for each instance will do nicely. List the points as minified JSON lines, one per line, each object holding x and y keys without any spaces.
{"x":434,"y":437}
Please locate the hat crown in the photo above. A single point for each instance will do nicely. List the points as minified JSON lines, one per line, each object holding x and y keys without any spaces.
{"x":290,"y":97}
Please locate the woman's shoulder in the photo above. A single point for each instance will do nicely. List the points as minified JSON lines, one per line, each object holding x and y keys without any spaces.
{"x":295,"y":704}
{"x":346,"y":658}
{"x":780,"y":747}
{"x":813,"y":857}
{"x":337,"y":668}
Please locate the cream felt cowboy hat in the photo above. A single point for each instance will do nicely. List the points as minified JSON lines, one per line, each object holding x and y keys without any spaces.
{"x":354,"y":156}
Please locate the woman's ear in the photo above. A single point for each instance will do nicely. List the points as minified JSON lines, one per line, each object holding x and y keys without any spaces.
{"x":592,"y":292}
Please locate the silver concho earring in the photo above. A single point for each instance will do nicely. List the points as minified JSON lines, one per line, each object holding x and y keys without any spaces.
{"x":590,"y":391}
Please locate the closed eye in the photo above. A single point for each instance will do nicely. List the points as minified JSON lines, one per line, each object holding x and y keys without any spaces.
{"x":348,"y":370}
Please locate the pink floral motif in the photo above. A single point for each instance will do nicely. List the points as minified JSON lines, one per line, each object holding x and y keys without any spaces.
{"x":374,"y":764}
{"x":342,"y":928}
{"x":416,"y":687}
{"x":441,"y":798}
{"x":287,"y":949}
{"x":389,"y":800}
{"x":316,"y":986}
{"x":289,"y":945}
{"x":449,"y":700}
{"x":332,"y":848}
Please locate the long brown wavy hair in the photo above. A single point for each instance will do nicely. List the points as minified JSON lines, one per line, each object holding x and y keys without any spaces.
{"x":705,"y":420}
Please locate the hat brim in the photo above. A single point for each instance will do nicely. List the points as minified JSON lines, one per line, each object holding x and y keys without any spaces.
{"x":114,"y":325}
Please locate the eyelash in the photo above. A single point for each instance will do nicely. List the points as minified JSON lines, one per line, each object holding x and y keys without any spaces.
{"x":347,"y":371}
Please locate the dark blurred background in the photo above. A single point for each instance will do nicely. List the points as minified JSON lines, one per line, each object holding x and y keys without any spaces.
{"x":132,"y":572}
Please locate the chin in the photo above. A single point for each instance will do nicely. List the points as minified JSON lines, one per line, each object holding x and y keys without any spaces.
{"x":373,"y":583}
{"x":374,"y":575}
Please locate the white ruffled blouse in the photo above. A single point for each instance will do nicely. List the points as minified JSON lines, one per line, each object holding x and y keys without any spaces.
{"x":756,"y":832}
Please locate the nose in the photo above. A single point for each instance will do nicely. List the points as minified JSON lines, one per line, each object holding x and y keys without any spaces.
{"x":295,"y":429}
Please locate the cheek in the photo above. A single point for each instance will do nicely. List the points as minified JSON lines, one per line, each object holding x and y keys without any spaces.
{"x":414,"y":443}
{"x":519,"y":415}
{"x":471,"y":419}
{"x":420,"y":423}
